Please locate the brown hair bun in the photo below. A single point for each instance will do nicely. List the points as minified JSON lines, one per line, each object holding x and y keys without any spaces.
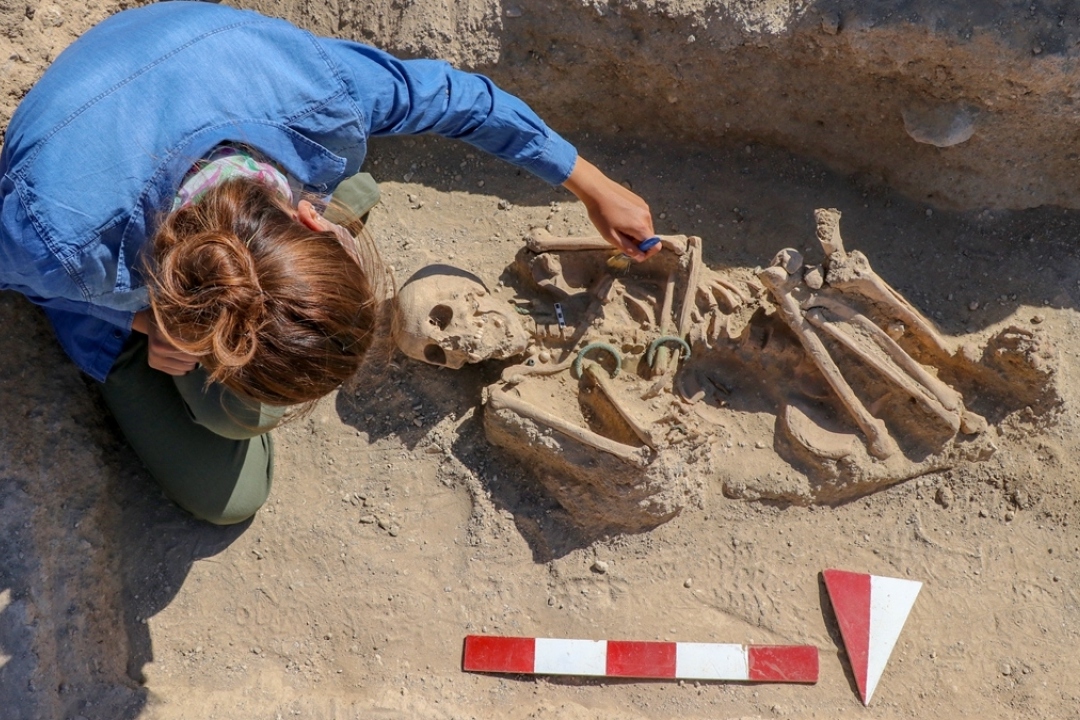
{"x":274,"y":310}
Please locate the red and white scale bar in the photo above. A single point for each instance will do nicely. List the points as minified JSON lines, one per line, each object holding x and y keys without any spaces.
{"x":631,"y":659}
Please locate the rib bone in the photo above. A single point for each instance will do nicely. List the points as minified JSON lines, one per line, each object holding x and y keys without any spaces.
{"x":881,"y":444}
{"x":692,"y":281}
{"x":501,"y":400}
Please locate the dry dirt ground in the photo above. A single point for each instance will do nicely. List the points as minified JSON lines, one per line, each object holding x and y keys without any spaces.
{"x":394,"y":529}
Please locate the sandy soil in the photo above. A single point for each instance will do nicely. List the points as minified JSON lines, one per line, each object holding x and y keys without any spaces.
{"x":395,"y":529}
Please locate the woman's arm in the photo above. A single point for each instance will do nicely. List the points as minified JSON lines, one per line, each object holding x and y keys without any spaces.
{"x":620,"y":215}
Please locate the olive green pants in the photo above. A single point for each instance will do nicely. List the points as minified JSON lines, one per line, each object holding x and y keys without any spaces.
{"x":209,"y":450}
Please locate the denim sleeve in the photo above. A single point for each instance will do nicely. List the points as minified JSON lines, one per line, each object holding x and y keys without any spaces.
{"x":410,"y":97}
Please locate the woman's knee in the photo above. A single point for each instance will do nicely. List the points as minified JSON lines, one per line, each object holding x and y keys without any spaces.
{"x":225,"y":493}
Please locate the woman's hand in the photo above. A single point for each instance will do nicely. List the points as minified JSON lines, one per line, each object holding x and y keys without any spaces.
{"x":161,"y":354}
{"x":622,"y":217}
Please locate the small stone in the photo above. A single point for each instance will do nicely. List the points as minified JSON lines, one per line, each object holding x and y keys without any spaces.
{"x":1037,"y":319}
{"x":1010,"y":516}
{"x":599,"y":567}
{"x":1006,"y":669}
{"x":830,"y":23}
{"x":983,"y":513}
{"x":368,"y":519}
{"x":973,"y":305}
{"x":688,"y":582}
{"x":944,"y":497}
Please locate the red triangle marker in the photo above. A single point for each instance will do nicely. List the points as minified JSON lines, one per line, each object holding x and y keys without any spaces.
{"x":871,"y":611}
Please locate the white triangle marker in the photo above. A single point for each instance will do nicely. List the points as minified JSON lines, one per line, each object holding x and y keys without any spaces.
{"x":871,"y":611}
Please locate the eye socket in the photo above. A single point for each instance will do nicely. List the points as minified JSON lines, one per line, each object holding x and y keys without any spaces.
{"x":441,"y":316}
{"x":435,"y":355}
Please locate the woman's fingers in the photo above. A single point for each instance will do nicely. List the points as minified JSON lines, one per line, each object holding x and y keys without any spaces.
{"x":164,"y":356}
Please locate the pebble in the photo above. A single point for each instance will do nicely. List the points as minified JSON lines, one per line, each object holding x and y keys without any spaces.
{"x":830,"y":22}
{"x":944,"y":497}
{"x":1009,"y":516}
{"x":368,"y":519}
{"x":599,"y":566}
{"x":688,"y":582}
{"x":1006,"y":669}
{"x":1037,"y":319}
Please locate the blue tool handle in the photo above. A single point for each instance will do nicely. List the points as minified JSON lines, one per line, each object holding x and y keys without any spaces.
{"x":649,"y":243}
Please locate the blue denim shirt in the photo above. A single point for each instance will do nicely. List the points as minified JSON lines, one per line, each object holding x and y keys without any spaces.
{"x":97,"y":149}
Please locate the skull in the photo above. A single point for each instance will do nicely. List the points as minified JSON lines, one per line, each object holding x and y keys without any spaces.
{"x":447,"y":317}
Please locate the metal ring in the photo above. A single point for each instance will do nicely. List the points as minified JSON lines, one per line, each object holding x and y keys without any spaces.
{"x":650,"y":357}
{"x":608,"y":347}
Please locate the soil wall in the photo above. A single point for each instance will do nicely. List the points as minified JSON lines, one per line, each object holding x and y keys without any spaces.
{"x":964,"y":104}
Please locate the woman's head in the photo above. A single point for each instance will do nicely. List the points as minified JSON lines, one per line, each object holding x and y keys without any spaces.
{"x":279,"y":305}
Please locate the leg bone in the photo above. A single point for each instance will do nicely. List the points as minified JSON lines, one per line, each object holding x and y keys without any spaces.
{"x":881,"y":443}
{"x":886,"y":368}
{"x":852,"y":271}
{"x":948,"y":398}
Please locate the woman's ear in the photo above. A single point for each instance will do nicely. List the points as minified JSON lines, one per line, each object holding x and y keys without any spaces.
{"x":309,"y":216}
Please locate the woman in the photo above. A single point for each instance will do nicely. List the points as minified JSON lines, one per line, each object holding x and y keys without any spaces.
{"x":156,"y":191}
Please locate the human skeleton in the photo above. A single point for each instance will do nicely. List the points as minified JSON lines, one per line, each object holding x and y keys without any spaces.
{"x":636,"y":389}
